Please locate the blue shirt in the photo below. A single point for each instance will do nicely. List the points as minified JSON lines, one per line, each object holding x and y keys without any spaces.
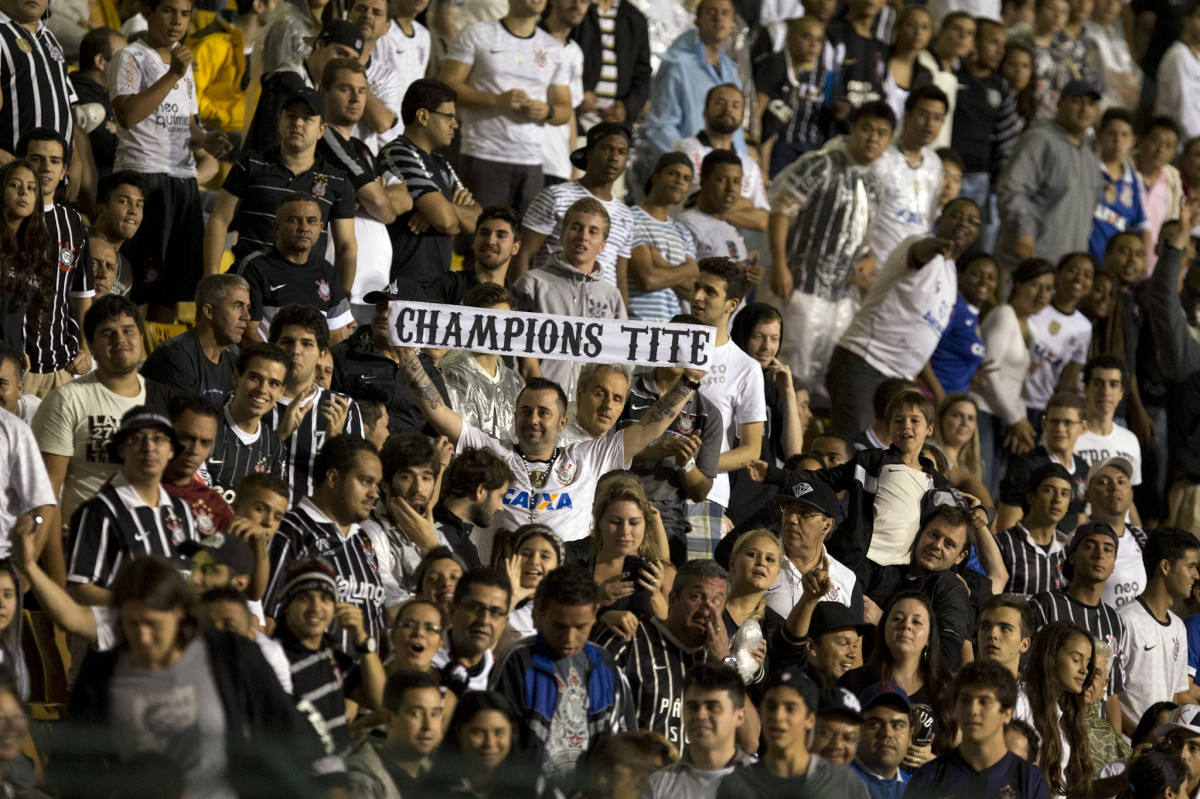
{"x":1192,"y":625}
{"x":1119,"y":208}
{"x":949,"y":777}
{"x":961,"y":349}
{"x":878,"y":786}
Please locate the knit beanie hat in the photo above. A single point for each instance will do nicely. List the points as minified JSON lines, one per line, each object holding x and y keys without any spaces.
{"x":311,"y":574}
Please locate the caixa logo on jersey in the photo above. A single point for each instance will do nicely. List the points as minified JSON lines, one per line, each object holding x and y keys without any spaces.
{"x":352,"y":590}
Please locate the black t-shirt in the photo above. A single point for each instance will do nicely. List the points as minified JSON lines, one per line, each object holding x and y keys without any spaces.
{"x":179,"y":363}
{"x":864,"y":66}
{"x":103,"y":140}
{"x":420,"y":257}
{"x":275,"y":282}
{"x":351,"y":155}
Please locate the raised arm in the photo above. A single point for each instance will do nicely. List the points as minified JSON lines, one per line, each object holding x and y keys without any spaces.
{"x":656,"y":420}
{"x":425,"y":394}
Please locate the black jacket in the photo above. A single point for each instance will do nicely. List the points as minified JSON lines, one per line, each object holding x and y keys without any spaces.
{"x":633,"y":55}
{"x":270,"y":746}
{"x":357,"y":358}
{"x":859,"y":477}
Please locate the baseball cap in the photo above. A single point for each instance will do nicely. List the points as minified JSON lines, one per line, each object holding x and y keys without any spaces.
{"x":665,"y":160}
{"x":227,"y":550}
{"x":1080,"y":88}
{"x":310,"y":97}
{"x":141,"y":418}
{"x":885,"y":693}
{"x":396,"y":290}
{"x":795,"y":678}
{"x":830,"y":616}
{"x":1185,"y":718}
{"x":1083,"y":531}
{"x":313,"y":574}
{"x":594,"y":135}
{"x":1116,"y":461}
{"x":339,"y":31}
{"x":841,"y":702}
{"x":816,"y":495}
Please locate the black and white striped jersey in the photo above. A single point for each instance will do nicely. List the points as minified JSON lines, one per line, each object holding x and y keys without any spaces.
{"x":655,"y":663}
{"x":322,"y":678}
{"x":237,"y":453}
{"x":33,"y":79}
{"x":116,"y":525}
{"x":1100,"y":620}
{"x":307,"y":532}
{"x":1031,"y":569}
{"x":301,"y":448}
{"x":55,"y":343}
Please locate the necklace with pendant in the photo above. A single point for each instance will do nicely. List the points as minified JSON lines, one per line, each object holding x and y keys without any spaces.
{"x":538,"y":477}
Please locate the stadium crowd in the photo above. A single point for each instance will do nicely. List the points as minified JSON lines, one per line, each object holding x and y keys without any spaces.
{"x":923,"y":525}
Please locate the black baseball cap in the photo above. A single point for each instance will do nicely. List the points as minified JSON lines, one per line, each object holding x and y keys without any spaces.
{"x":828,"y":617}
{"x":309,"y":97}
{"x":814,"y":494}
{"x":795,"y":678}
{"x":138,"y":418}
{"x":594,"y":135}
{"x":227,"y":550}
{"x":839,"y":702}
{"x":339,"y":31}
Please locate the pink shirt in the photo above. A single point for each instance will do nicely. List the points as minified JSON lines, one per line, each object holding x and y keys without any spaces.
{"x":1157,"y":200}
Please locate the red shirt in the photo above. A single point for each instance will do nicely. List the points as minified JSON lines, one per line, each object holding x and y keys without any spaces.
{"x":212,"y":513}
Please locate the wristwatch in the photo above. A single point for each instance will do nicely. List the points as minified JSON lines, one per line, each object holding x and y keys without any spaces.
{"x":694,"y":385}
{"x":687,"y":467}
{"x":367,"y":647}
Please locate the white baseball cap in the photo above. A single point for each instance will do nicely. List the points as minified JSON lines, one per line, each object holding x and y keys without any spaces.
{"x":1185,"y":718}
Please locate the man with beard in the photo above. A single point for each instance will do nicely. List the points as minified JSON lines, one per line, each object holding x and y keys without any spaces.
{"x":473,"y":490}
{"x":722,"y":120}
{"x":497,"y":239}
{"x":200,"y":361}
{"x":76,"y":421}
{"x":662,"y":262}
{"x":195,"y":422}
{"x":905,"y":312}
{"x":307,"y":416}
{"x":132,"y":516}
{"x":346,"y":475}
{"x":603,"y":160}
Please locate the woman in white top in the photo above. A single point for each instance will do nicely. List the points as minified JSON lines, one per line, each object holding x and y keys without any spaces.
{"x":1003,"y":426}
{"x":1062,"y":663}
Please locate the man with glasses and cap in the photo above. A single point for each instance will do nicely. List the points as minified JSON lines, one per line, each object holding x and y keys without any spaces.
{"x":603,"y":160}
{"x":838,"y":727}
{"x":132,"y":516}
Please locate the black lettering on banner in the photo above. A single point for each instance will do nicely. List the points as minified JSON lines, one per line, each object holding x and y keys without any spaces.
{"x":452,"y":337}
{"x":592,"y":333}
{"x":426,"y":326}
{"x":513,"y":327}
{"x":699,"y":339}
{"x":572,"y":338}
{"x":482,"y":333}
{"x":675,"y":335}
{"x":403,"y":319}
{"x":633,"y":332}
{"x":548,"y":337}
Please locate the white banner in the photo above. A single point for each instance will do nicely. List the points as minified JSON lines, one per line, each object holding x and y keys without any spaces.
{"x":535,"y":335}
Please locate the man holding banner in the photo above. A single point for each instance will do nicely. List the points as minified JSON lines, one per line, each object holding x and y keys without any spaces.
{"x":551,"y":485}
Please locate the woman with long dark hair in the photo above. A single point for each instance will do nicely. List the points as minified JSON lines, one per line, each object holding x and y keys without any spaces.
{"x":1062,"y":663}
{"x":26,"y":269}
{"x":477,"y":755}
{"x":906,"y":653}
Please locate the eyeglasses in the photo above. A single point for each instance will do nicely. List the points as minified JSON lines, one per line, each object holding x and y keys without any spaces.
{"x":416,"y":626}
{"x":474,"y":608}
{"x":157,"y":439}
{"x":444,"y":115}
{"x":803,"y":514}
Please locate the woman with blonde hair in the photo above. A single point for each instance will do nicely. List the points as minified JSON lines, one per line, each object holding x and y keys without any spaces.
{"x":626,"y":555}
{"x":753,"y":568}
{"x":956,"y":430}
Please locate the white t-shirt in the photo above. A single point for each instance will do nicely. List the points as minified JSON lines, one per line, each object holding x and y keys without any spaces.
{"x":564,"y":502}
{"x":714,"y":237}
{"x":77,"y":420}
{"x":1058,"y":340}
{"x":386,"y":87}
{"x":1120,"y":442}
{"x":499,"y":62}
{"x":406,"y":56}
{"x":908,"y":199}
{"x":160,"y":142}
{"x":1156,"y":660}
{"x":560,"y":139}
{"x":786,"y":592}
{"x":26,"y":484}
{"x":752,"y":179}
{"x":897,"y":513}
{"x":905,"y":313}
{"x":1128,"y":579}
{"x":734,"y":385}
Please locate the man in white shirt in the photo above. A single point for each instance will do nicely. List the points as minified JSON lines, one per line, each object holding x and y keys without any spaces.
{"x":903,"y":318}
{"x":807,"y":517}
{"x":511,"y":79}
{"x":1179,"y":74}
{"x":734,"y":385}
{"x":720,"y":192}
{"x":1156,"y":658}
{"x":405,"y":46}
{"x":1110,"y":495}
{"x":27,"y":487}
{"x":722,"y":120}
{"x":910,"y":174}
{"x":380,"y":121}
{"x":714,"y":700}
{"x":1104,"y":381}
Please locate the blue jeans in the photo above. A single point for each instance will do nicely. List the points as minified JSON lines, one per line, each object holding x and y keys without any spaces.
{"x":977,"y":186}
